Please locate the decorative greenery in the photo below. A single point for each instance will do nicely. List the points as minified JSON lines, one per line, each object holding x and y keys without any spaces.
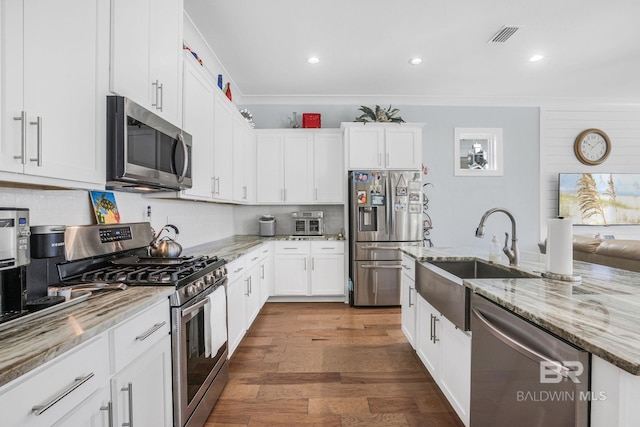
{"x":379,"y":115}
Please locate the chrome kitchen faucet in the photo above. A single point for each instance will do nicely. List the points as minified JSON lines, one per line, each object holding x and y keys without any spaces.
{"x":511,"y":253}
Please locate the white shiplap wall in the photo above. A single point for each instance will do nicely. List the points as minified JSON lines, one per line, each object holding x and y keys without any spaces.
{"x":558,"y":130}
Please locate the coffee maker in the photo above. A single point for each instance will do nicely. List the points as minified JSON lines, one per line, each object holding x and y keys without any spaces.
{"x":47,"y":250}
{"x":14,"y":257}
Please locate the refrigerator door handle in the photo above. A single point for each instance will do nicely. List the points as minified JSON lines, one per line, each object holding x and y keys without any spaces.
{"x":387,"y":191}
{"x":388,"y":248}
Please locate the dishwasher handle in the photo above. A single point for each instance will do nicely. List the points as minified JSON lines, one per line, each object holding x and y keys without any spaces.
{"x":521,"y":348}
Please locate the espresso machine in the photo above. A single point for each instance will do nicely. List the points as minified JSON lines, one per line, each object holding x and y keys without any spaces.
{"x":14,"y":257}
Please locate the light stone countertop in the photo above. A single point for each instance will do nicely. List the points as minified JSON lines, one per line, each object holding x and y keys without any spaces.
{"x":29,"y":344}
{"x":600,"y":314}
{"x":25,"y":345}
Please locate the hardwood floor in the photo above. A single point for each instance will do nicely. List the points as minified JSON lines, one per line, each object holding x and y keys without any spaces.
{"x":328,"y":364}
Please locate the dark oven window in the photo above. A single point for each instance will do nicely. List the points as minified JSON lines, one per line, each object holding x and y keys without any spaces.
{"x":199,"y":363}
{"x":152,"y":149}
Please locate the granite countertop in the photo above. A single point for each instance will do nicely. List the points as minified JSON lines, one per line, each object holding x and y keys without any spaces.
{"x":600,"y":314}
{"x":29,"y":344}
{"x":233,"y":247}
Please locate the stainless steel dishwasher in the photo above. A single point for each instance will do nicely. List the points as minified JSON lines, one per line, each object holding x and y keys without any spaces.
{"x":521,"y":375}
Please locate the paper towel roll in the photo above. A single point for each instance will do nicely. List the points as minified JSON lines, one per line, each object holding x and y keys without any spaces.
{"x":560,"y":246}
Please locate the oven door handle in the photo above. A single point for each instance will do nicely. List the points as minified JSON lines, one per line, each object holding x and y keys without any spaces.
{"x":195,"y":307}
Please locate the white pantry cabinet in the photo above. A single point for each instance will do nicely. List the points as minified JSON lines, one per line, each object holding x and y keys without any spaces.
{"x":146,"y":54}
{"x":408,"y":296}
{"x":197,"y":120}
{"x":53,"y":106}
{"x":303,"y":268}
{"x":299,"y":166}
{"x":222,"y":148}
{"x":445,"y":351}
{"x":383,"y":145}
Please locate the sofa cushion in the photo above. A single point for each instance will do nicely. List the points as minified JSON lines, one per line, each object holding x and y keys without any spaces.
{"x":627,"y":249}
{"x":586,"y":244}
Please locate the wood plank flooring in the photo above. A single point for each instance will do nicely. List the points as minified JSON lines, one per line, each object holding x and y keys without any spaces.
{"x":328,"y":364}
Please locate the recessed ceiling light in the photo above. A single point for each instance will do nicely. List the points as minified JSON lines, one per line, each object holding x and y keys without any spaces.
{"x":415,"y":61}
{"x":313,"y":60}
{"x":536,"y":58}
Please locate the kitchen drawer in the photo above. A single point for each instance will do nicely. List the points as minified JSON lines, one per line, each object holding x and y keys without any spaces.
{"x":236,"y":268}
{"x":409,"y":267}
{"x":290,"y":247}
{"x":252,"y":257}
{"x":266,"y":250}
{"x":327,"y":247}
{"x":71,"y":377}
{"x":137,"y":335}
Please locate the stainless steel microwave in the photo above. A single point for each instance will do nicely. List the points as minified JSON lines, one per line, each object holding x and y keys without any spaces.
{"x":144,"y":151}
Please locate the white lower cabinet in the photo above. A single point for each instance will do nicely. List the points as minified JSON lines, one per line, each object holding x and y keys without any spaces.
{"x":303,"y":268}
{"x":96,"y":411}
{"x":408,"y":297}
{"x":445,"y":351}
{"x":141,"y":388}
{"x":247,"y":276}
{"x":615,"y":394}
{"x":142,"y":391}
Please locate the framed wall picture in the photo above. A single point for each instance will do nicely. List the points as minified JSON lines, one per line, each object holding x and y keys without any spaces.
{"x":478,"y":152}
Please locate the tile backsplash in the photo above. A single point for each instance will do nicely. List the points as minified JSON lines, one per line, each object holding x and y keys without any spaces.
{"x":198,"y":222}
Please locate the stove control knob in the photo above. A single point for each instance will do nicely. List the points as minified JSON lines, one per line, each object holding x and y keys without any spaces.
{"x":200,"y":285}
{"x":189,"y":291}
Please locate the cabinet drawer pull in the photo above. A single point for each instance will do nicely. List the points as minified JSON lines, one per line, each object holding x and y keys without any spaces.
{"x":265,"y":251}
{"x":40,"y":409}
{"x":151,"y":330}
{"x":253,"y":259}
{"x":328,"y":248}
{"x":290,"y":248}
{"x":238,"y":270}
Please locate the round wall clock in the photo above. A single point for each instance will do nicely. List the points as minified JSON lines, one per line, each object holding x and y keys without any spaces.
{"x":592,"y":146}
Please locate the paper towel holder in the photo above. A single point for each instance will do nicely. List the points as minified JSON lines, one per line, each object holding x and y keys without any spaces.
{"x":562,"y":277}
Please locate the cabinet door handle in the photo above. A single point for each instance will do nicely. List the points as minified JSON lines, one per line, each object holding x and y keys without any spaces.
{"x":305,"y":264}
{"x":262,"y":271}
{"x":379,"y":159}
{"x":218,"y":185}
{"x":40,"y":409}
{"x":247,"y":280}
{"x":410,"y":288}
{"x":250,"y":285}
{"x":129,"y":389}
{"x":285,"y":194}
{"x":431,"y":328}
{"x":161,"y":97}
{"x":157,"y":86}
{"x":150,"y":331}
{"x":244,"y":192}
{"x":387,"y":159}
{"x":23,"y":137}
{"x":38,"y":125}
{"x":435,"y":335}
{"x":313,"y":263}
{"x":109,"y":408}
{"x":316,"y":194}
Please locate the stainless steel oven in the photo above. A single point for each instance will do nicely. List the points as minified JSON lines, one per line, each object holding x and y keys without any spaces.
{"x":200,"y":370}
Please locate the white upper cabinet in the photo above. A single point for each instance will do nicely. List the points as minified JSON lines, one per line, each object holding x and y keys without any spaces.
{"x":53,"y":110}
{"x":197,"y":120}
{"x":383,"y":146}
{"x":146,"y":54}
{"x":222,"y":148}
{"x":329,"y":182}
{"x":299,"y":166}
{"x":244,"y":162}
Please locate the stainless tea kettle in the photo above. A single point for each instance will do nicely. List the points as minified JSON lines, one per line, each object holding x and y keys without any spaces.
{"x":165,"y":247}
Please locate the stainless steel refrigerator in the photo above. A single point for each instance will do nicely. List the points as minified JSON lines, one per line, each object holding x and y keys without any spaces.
{"x":385,"y":212}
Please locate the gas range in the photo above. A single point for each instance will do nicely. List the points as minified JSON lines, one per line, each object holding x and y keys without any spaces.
{"x":118,"y":254}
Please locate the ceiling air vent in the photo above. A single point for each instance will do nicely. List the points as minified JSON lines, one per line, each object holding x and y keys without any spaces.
{"x":504,"y":34}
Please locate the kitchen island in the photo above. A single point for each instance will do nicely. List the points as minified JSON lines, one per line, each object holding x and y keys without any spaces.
{"x":598,"y":314}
